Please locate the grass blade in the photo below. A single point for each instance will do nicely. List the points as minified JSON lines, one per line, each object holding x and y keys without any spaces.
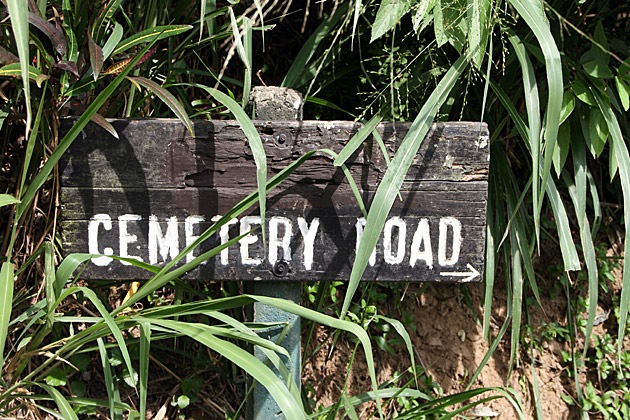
{"x":62,"y":403}
{"x":72,"y":134}
{"x":284,"y":305}
{"x":7,"y":199}
{"x":293,"y":75}
{"x":242,"y":53}
{"x":19,"y":25}
{"x":49,"y":278}
{"x":150,"y":35}
{"x":255,"y":143}
{"x":356,"y":140}
{"x":534,"y":138}
{"x":167,"y":98}
{"x":112,"y":41}
{"x":535,"y":18}
{"x":7,"y":279}
{"x":109,"y":380}
{"x":245,"y":360}
{"x":348,"y":407}
{"x":402,"y":332}
{"x":100,"y":24}
{"x":588,"y":249}
{"x":357,"y":12}
{"x":145,"y":344}
{"x":107,"y":319}
{"x":395,"y":175}
{"x":517,"y":299}
{"x":623,"y":162}
{"x":489,"y":272}
{"x":567,"y":247}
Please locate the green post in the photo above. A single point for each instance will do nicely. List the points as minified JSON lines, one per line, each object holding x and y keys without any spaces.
{"x":275,"y":103}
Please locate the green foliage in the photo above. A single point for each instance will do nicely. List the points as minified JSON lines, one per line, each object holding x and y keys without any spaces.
{"x":555,"y":92}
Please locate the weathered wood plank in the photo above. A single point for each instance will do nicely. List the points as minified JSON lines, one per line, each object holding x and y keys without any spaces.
{"x":155,"y":189}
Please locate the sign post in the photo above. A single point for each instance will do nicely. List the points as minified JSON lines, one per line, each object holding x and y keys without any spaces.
{"x":274,"y":103}
{"x":152,"y":192}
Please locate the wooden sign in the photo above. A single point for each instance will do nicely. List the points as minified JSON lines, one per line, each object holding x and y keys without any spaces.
{"x":153,"y":191}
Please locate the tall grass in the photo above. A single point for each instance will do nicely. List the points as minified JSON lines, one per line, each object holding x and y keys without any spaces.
{"x":414,"y":59}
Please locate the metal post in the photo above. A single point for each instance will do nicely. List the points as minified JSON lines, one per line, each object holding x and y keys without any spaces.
{"x":275,"y":103}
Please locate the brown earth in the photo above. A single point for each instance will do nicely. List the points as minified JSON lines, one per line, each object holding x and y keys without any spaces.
{"x":448,"y":344}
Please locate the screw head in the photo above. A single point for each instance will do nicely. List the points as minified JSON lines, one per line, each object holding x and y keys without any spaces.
{"x":280,"y":268}
{"x":283,"y":139}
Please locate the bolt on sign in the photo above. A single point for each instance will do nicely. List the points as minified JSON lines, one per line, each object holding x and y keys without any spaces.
{"x":155,"y":190}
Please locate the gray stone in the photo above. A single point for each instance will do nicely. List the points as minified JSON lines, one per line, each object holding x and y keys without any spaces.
{"x":276,"y":103}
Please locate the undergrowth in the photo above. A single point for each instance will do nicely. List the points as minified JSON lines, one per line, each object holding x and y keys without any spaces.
{"x":552,"y":81}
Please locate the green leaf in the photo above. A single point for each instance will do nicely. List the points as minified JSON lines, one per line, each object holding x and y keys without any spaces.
{"x":150,"y":35}
{"x":72,"y":52}
{"x":395,"y":175}
{"x":423,"y":15}
{"x":56,"y":36}
{"x":66,"y":268}
{"x":356,"y":140}
{"x":517,"y":298}
{"x":456,"y":26}
{"x":49,"y":278}
{"x":7,"y":279}
{"x":98,"y":119}
{"x":64,"y":406}
{"x":72,"y":134}
{"x":242,"y":358}
{"x":562,"y":148}
{"x":112,"y":41}
{"x":326,"y":103}
{"x":145,"y":345}
{"x":15,"y":70}
{"x":623,"y":89}
{"x":255,"y":143}
{"x":293,"y":76}
{"x":7,"y":199}
{"x":568,"y":104}
{"x":597,"y":69}
{"x":106,"y":318}
{"x":595,"y":61}
{"x":183,"y":401}
{"x":477,"y":29}
{"x":595,"y":130}
{"x":534,"y":16}
{"x":438,"y":24}
{"x":107,"y":373}
{"x":56,"y":377}
{"x":348,"y":406}
{"x":390,"y":12}
{"x":567,"y":247}
{"x":623,"y":160}
{"x":104,"y":15}
{"x":96,"y":57}
{"x":167,"y":98}
{"x":18,"y":14}
{"x":583,"y":93}
{"x":534,"y":137}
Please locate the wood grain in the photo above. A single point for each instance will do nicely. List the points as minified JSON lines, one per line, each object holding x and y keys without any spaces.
{"x":156,"y":169}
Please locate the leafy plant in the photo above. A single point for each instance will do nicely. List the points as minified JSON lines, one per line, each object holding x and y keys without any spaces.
{"x":418,"y":60}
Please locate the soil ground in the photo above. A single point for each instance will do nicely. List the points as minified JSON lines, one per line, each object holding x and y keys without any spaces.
{"x":448,"y":343}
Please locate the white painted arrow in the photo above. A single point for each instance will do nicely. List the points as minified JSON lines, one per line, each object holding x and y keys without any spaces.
{"x":469,"y":276}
